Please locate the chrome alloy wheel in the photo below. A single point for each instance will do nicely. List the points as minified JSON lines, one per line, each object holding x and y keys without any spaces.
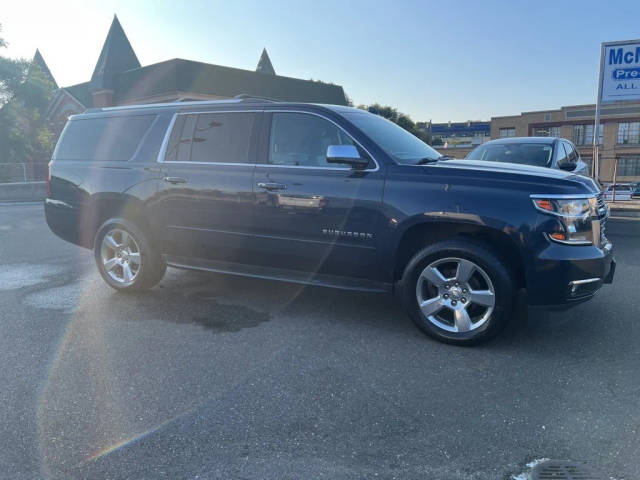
{"x":455,"y":294}
{"x":120,"y":256}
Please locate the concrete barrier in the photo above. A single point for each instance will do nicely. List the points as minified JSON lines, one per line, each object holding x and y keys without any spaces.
{"x":22,"y":192}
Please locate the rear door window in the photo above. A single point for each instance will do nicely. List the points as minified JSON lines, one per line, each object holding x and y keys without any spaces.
{"x":211,"y":138}
{"x":105,"y":139}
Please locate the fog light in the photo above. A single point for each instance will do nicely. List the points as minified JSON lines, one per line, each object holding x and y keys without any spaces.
{"x":583,"y":288}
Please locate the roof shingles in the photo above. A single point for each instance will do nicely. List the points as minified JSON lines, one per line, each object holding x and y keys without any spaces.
{"x":116,"y":56}
{"x":179,"y":75}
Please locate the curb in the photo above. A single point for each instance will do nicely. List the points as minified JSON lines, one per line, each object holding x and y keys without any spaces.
{"x":22,"y":192}
{"x":625,"y":213}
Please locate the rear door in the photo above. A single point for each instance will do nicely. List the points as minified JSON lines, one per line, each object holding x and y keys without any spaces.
{"x":206,"y":196}
{"x":310,"y":215}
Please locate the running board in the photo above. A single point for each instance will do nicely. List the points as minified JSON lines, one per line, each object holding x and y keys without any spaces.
{"x":279,"y":274}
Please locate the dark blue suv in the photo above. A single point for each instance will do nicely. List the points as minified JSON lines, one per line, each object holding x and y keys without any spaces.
{"x":324,"y":195}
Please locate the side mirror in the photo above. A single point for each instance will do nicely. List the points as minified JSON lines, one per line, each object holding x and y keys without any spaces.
{"x":567,"y":166}
{"x":347,"y":154}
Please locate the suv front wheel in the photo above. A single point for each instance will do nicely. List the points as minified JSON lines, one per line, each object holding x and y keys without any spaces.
{"x":458,"y":291}
{"x":125,"y":257}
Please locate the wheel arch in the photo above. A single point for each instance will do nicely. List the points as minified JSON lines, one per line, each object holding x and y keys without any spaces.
{"x":105,"y":206}
{"x":419,"y":235}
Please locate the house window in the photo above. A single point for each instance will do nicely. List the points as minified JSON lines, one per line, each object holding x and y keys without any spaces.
{"x":629,"y":166}
{"x":589,"y":163}
{"x":629,"y":133}
{"x":546,"y":132}
{"x":583,"y":134}
{"x":507,"y":132}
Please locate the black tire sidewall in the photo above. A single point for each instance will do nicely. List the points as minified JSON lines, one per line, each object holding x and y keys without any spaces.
{"x":152,"y":267}
{"x":482,"y":256}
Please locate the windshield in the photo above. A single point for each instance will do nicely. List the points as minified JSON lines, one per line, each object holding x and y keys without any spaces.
{"x":536,"y":154}
{"x":403,"y":146}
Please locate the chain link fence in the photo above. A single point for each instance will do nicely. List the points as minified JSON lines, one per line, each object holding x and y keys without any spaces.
{"x":22,"y":172}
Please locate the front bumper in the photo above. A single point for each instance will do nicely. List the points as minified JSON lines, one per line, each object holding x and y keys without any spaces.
{"x":566,"y":275}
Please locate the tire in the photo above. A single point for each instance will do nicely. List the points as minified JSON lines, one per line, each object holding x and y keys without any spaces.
{"x":452,"y":277}
{"x":125,"y":257}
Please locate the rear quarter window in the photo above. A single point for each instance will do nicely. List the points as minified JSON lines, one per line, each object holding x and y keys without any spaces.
{"x":105,"y":139}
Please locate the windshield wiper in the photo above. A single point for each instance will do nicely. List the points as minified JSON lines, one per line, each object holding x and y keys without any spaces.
{"x":425,"y":160}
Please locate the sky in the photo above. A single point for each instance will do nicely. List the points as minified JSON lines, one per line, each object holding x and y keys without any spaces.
{"x":434,"y":60}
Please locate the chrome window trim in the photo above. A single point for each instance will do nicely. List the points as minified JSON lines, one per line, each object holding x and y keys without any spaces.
{"x":337,"y":169}
{"x":165,"y":142}
{"x":175,"y":162}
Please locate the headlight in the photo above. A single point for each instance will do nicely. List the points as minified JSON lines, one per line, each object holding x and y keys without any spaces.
{"x":575,"y":226}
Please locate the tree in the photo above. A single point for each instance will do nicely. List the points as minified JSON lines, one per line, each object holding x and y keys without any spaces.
{"x":398,"y":118}
{"x":25,"y":93}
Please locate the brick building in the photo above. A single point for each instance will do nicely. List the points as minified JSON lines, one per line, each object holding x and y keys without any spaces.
{"x":619,"y":134}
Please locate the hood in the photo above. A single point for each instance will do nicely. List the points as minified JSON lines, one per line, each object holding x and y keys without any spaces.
{"x":540,"y":175}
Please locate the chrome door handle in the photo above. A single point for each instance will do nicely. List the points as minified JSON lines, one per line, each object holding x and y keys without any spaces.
{"x":272,"y":186}
{"x":175,"y":180}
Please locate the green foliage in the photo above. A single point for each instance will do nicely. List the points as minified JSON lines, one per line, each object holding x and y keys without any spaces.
{"x":25,"y":93}
{"x":348,"y":99}
{"x":399,"y":118}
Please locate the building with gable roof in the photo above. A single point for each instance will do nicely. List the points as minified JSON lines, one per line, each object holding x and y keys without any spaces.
{"x":120,"y":79}
{"x":39,"y":60}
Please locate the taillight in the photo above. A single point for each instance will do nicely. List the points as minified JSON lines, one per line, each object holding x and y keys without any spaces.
{"x":48,"y":181}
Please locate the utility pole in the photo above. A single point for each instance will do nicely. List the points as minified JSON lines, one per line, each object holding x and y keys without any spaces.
{"x":596,"y":126}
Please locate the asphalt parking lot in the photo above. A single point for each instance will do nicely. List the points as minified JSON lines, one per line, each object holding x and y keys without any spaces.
{"x":217,"y":377}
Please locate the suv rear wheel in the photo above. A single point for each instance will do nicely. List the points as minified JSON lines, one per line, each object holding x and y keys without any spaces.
{"x":125,"y":257}
{"x":458,"y":291}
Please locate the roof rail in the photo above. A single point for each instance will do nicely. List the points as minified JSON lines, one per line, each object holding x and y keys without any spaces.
{"x":238,"y":98}
{"x":168,"y":104}
{"x":253,"y":98}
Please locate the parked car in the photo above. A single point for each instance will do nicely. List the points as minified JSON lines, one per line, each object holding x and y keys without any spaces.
{"x":550,"y":152}
{"x":622,"y":192}
{"x":324,"y":195}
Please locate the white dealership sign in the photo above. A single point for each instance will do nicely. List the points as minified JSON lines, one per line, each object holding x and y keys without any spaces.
{"x":620,"y":71}
{"x":619,"y":81}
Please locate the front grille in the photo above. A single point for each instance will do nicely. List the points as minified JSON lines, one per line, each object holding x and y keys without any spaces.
{"x":601,"y":204}
{"x":603,"y":214}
